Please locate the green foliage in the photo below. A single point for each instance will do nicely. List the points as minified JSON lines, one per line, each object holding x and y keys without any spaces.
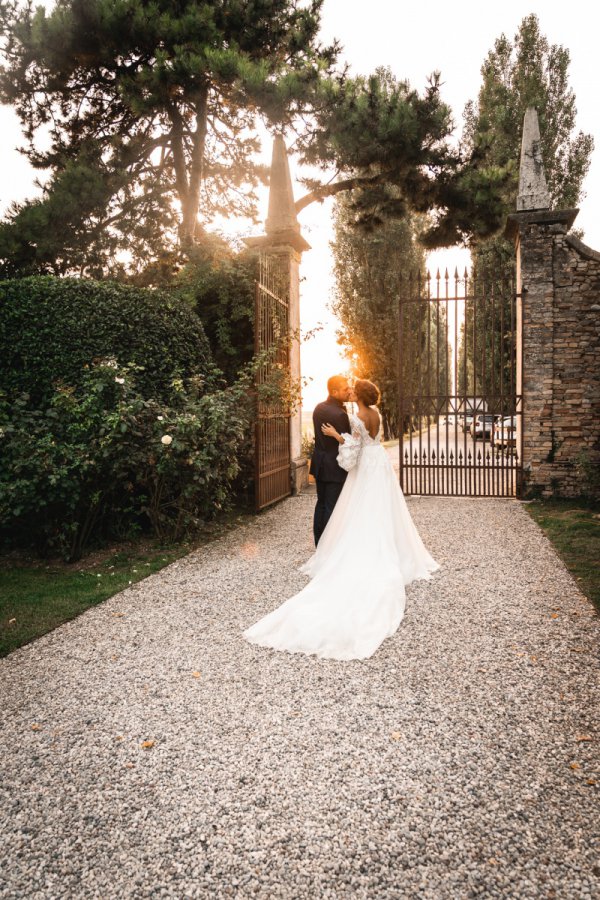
{"x":372,"y":272}
{"x":391,"y":145}
{"x":155,"y":107}
{"x":588,"y":470}
{"x":527,"y":71}
{"x":308,"y":445}
{"x":219,"y":284}
{"x":36,"y":598}
{"x":102,"y":460}
{"x":52,"y":330}
{"x":161,"y":101}
{"x":573,"y":526}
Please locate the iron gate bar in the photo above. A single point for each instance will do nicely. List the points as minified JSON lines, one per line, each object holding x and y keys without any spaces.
{"x":272,"y":429}
{"x":428,"y":389}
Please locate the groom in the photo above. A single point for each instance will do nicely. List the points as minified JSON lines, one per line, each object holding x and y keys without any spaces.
{"x":329,"y":476}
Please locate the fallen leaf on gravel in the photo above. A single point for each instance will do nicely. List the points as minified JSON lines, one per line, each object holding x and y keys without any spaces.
{"x":584,"y":737}
{"x":592,"y":781}
{"x":554,"y":616}
{"x":119,"y":737}
{"x":196,"y":674}
{"x":147,"y":744}
{"x":492,"y":861}
{"x":36,"y":727}
{"x":118,"y":615}
{"x":575,"y":766}
{"x":533,"y":659}
{"x":396,"y":735}
{"x":11,"y":621}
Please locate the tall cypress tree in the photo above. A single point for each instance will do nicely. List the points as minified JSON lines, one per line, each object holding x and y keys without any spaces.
{"x":528,"y":71}
{"x":373,"y":271}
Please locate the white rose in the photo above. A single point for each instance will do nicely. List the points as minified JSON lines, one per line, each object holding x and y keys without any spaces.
{"x":160,"y":418}
{"x":166,"y":439}
{"x":120,"y":380}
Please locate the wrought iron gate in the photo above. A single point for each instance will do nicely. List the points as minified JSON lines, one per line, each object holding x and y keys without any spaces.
{"x":460,"y":413}
{"x":272,"y":435}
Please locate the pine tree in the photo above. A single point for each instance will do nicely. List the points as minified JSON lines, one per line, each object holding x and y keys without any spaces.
{"x":154,"y":104}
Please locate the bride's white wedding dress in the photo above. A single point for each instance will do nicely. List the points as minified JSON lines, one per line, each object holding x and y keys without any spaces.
{"x":368,"y":552}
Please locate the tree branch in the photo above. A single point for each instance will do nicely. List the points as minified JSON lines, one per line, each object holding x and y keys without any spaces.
{"x":330,"y":190}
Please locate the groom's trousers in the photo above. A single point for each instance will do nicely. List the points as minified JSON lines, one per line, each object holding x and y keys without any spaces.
{"x":327,"y":496}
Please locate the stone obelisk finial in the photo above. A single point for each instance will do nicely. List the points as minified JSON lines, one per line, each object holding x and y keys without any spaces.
{"x":533,"y":189}
{"x":282,"y":212}
{"x":282,"y":224}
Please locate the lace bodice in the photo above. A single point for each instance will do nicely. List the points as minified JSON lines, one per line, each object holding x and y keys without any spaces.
{"x":358,"y":426}
{"x":358,"y":440}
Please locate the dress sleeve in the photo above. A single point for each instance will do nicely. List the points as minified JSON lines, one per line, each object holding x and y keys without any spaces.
{"x":349,"y":451}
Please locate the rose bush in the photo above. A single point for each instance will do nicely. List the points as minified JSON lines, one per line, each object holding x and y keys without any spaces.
{"x":102,"y":460}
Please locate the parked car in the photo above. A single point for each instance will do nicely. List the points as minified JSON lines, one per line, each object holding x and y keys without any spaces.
{"x":467,"y":418}
{"x":505,"y":433}
{"x":482,"y":426}
{"x":470,"y":409}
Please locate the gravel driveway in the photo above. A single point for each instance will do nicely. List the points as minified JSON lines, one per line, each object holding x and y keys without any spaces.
{"x":452,"y":764}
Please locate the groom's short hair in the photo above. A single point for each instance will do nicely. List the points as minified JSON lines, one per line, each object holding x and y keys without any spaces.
{"x":336,"y":383}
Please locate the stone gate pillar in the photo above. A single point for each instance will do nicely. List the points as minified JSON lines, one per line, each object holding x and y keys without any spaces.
{"x":556,"y":324}
{"x":284,"y":241}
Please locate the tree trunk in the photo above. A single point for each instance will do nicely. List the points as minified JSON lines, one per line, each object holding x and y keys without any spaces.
{"x":189,"y":183}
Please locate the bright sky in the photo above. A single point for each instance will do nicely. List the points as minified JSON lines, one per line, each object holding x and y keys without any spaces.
{"x":413,"y":40}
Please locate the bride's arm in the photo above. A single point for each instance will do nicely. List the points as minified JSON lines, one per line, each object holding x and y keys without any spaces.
{"x":330,"y":431}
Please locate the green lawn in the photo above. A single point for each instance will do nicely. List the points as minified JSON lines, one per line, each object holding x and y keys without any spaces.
{"x":36,"y":597}
{"x":573,"y":526}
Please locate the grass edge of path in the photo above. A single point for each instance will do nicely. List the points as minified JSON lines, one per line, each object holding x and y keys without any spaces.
{"x":37,"y":596}
{"x":573,"y":529}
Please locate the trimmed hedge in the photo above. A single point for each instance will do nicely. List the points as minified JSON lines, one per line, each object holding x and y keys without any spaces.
{"x":53,"y":329}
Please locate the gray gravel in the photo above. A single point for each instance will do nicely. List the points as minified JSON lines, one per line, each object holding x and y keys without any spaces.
{"x":446,"y":766}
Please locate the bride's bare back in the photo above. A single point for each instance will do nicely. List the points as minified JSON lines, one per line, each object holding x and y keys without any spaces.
{"x":370,"y":418}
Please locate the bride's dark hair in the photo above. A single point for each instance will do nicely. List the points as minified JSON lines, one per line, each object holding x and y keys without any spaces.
{"x":366,"y":392}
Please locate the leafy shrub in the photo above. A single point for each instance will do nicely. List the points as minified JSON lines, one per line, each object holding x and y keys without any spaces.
{"x":219,"y":285}
{"x":587,"y":465}
{"x":308,"y":445}
{"x":51,"y":329}
{"x":104,"y":460}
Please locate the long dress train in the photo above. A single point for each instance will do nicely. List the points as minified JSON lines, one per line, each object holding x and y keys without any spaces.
{"x":368,"y":552}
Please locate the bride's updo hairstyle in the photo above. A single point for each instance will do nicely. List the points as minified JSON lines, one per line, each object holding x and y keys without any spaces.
{"x":366,"y":392}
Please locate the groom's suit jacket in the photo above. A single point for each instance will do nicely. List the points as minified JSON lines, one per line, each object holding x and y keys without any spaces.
{"x":323,"y":464}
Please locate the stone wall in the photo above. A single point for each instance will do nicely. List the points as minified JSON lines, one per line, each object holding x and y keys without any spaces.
{"x":559,"y":375}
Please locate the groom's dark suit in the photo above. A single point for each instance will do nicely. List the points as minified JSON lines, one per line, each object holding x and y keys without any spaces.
{"x":329,"y":476}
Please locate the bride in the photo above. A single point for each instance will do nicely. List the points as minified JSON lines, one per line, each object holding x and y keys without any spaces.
{"x":369,"y":551}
